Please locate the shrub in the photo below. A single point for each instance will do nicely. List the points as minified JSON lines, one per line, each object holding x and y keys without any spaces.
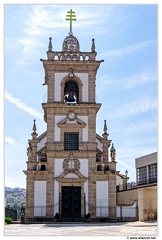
{"x":8,"y":220}
{"x":57,"y":215}
{"x":87,"y":216}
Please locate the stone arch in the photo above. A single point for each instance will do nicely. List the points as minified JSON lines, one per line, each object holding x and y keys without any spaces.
{"x":79,"y":83}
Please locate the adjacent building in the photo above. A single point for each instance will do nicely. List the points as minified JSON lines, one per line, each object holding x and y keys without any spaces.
{"x":146,"y":169}
{"x":146,"y":172}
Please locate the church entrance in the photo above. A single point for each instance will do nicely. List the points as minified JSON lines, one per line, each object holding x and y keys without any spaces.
{"x":71,"y":204}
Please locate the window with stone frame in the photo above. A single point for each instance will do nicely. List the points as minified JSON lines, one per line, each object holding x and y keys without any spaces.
{"x":71,"y":141}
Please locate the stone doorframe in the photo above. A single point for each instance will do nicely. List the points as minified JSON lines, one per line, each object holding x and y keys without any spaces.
{"x":76,"y":182}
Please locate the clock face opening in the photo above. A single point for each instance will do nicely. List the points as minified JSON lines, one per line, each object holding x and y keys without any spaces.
{"x":71,"y":115}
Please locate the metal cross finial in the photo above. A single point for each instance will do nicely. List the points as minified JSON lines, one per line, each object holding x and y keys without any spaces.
{"x":71,"y":17}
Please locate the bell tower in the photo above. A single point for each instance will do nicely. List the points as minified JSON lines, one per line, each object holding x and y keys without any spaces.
{"x":71,"y":108}
{"x":68,"y":166}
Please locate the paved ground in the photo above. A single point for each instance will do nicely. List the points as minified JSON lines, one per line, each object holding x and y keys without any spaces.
{"x":84,"y":229}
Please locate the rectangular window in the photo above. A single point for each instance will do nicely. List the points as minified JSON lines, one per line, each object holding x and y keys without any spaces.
{"x":142,"y":175}
{"x":71,"y":141}
{"x":153,"y":173}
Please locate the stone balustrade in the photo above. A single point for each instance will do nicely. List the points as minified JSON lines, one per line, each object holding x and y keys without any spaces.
{"x":72,"y":56}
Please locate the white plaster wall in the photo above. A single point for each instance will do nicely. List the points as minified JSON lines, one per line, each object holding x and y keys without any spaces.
{"x":71,"y":175}
{"x":102,"y":198}
{"x":56,"y":197}
{"x":39,"y":198}
{"x":84,"y":172}
{"x":86,"y":194}
{"x":99,"y":145}
{"x":58,"y":167}
{"x":84,"y":79}
{"x":71,"y":122}
{"x":83,"y":167}
{"x":119,"y":181}
{"x":41,"y":144}
{"x":57,"y":86}
{"x":57,"y":129}
{"x":85,"y":130}
{"x":127,"y":211}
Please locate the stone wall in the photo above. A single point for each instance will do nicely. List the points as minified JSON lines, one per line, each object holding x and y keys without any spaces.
{"x":127,"y":197}
{"x":146,"y":198}
{"x":147,"y":203}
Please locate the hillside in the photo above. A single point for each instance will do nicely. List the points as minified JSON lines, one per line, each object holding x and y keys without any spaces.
{"x":15,"y":197}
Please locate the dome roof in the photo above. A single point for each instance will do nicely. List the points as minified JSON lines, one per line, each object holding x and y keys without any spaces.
{"x":70,"y":44}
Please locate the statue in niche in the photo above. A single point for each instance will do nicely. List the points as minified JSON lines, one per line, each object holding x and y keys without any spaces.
{"x":29,"y":151}
{"x":113,"y":152}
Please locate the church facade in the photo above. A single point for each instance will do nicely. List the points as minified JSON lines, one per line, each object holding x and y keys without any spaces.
{"x":71,"y":170}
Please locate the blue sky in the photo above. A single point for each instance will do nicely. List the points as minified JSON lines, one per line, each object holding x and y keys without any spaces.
{"x":126,"y":37}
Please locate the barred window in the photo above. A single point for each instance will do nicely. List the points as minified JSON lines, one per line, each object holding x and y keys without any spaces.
{"x":153,"y":173}
{"x":71,"y":141}
{"x":142,"y":175}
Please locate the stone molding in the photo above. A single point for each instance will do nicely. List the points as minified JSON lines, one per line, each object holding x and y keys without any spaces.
{"x":78,"y":123}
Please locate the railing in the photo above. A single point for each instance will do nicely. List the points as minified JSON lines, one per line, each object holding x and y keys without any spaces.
{"x":122,"y":213}
{"x":40,"y":166}
{"x":40,"y":211}
{"x":132,"y":185}
{"x":102,"y":168}
{"x":98,"y":159}
{"x":73,"y":56}
{"x":11,"y":213}
{"x":127,"y":213}
{"x":122,"y":187}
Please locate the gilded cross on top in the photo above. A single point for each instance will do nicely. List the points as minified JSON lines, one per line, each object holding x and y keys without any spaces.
{"x":71,"y":17}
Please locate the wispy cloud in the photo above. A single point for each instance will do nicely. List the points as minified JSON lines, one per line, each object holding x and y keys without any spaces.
{"x":53,"y":16}
{"x":9,"y":140}
{"x":129,"y":128}
{"x":140,"y":79}
{"x":125,"y":165}
{"x":135,"y":107}
{"x":41,"y":21}
{"x":122,"y":52}
{"x":23,"y":106}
